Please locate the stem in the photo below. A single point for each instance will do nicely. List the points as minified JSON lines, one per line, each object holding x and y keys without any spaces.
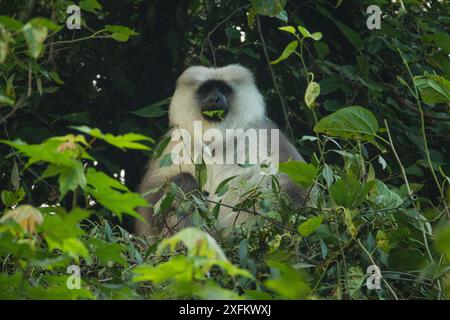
{"x":410,"y":193}
{"x":374,"y":263}
{"x":424,"y":136}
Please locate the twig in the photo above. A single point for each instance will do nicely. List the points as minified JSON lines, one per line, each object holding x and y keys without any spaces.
{"x":374,"y":263}
{"x":275,"y":84}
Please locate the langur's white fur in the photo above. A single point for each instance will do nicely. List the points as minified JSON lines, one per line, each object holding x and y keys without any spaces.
{"x":247,"y":110}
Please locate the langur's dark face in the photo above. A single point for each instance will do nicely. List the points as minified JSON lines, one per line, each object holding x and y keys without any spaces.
{"x":214,"y":98}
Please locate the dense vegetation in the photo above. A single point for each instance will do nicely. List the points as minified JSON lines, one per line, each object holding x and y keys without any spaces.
{"x":81,"y":112}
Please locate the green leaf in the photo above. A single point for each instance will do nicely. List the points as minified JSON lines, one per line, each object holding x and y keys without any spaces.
{"x":200,"y":244}
{"x":283,"y":16}
{"x":11,"y":23}
{"x":290,"y":48}
{"x":108,"y":253}
{"x":120,"y":33}
{"x":46,"y":23}
{"x":166,"y":160}
{"x":178,"y":269}
{"x":385,"y":197}
{"x":55,"y":77}
{"x":201,"y":173}
{"x":113,"y":195}
{"x":312,"y":92}
{"x":282,"y":284}
{"x":350,"y":123}
{"x":349,"y":192}
{"x":301,"y":173}
{"x":154,"y":110}
{"x":443,"y":241}
{"x":315,"y":36}
{"x":69,"y":178}
{"x":269,"y":8}
{"x":49,"y":151}
{"x":165,"y":202}
{"x":222,"y":188}
{"x":34,"y":36}
{"x":355,"y":280}
{"x":351,"y":35}
{"x":90,"y":5}
{"x":232,"y":33}
{"x":310,"y":225}
{"x":6,"y":100}
{"x":10,"y":198}
{"x":126,"y":141}
{"x":289,"y":29}
{"x":62,"y":231}
{"x":433,"y":89}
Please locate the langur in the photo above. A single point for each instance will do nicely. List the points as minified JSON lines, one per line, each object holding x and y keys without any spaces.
{"x":226,"y":103}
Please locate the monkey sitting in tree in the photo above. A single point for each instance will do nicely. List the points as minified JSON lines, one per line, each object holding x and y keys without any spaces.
{"x":223,"y":101}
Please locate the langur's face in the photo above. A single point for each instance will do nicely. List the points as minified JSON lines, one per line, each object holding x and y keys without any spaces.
{"x":224,"y":96}
{"x":214,"y":98}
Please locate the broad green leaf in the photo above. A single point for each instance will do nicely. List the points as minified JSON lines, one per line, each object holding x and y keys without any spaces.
{"x":269,"y":8}
{"x":301,"y":173}
{"x":222,"y":188}
{"x":120,"y":33}
{"x":202,"y":244}
{"x":201,"y":174}
{"x":232,"y":33}
{"x":198,"y":243}
{"x":126,"y":141}
{"x":61,"y":224}
{"x":10,"y":198}
{"x":310,"y":225}
{"x":289,"y":29}
{"x":50,"y":151}
{"x":6,"y":100}
{"x":281,"y":284}
{"x":385,"y":197}
{"x":316,"y":36}
{"x":34,"y":36}
{"x":178,"y":269}
{"x":46,"y":23}
{"x":351,"y":35}
{"x":355,"y":279}
{"x":108,"y":252}
{"x":305,"y":33}
{"x":11,"y":23}
{"x":154,"y":110}
{"x":90,"y":5}
{"x":433,"y":89}
{"x":290,"y":48}
{"x":165,"y":202}
{"x":312,"y":92}
{"x":443,"y":241}
{"x":283,"y":16}
{"x":350,"y":192}
{"x":350,"y":122}
{"x":113,"y":195}
{"x":166,"y":160}
{"x":69,"y":178}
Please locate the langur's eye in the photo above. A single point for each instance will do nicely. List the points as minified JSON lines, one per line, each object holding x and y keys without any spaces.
{"x":210,"y":85}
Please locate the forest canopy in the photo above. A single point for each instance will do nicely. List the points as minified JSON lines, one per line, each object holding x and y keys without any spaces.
{"x":83,"y":109}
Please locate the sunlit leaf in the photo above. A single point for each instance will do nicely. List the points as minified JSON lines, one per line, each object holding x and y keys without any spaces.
{"x":301,"y":173}
{"x":126,"y":141}
{"x":290,"y":48}
{"x":310,"y":225}
{"x":351,"y":122}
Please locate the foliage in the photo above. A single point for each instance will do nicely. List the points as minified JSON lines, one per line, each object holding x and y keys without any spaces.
{"x":367,"y":108}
